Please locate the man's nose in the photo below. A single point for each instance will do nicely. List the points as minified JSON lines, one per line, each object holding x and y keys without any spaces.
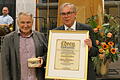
{"x":25,"y":24}
{"x":66,"y":15}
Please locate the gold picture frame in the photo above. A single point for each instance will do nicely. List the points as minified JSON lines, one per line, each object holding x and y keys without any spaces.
{"x":67,"y":55}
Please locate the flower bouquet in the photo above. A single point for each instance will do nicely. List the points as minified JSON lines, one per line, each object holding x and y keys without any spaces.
{"x":106,"y":36}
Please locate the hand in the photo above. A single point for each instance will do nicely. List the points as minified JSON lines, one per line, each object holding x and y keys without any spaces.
{"x":4,"y":25}
{"x":41,"y":61}
{"x":88,"y":42}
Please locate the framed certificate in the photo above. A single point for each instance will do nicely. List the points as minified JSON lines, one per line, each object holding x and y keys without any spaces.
{"x":67,"y":56}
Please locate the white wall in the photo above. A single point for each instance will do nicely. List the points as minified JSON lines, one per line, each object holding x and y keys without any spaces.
{"x":26,"y":6}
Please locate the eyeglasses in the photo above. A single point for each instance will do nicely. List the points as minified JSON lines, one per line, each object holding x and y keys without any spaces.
{"x":68,"y":13}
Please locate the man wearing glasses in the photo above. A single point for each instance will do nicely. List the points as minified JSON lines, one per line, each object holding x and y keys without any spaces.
{"x":68,"y":15}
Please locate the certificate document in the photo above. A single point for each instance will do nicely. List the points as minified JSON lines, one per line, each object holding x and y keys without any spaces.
{"x":67,"y":55}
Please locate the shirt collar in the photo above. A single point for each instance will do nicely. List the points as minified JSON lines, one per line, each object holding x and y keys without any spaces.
{"x":26,"y":36}
{"x":5,"y":15}
{"x":73,"y":26}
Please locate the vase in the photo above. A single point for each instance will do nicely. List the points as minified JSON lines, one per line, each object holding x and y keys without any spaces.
{"x":98,"y":69}
{"x":104,"y":68}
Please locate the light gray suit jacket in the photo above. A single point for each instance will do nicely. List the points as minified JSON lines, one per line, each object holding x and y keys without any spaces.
{"x":11,"y":59}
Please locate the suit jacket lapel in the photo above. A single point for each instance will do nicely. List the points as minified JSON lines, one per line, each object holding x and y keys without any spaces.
{"x":36,"y":42}
{"x":16,"y":47}
{"x":78,"y":26}
{"x":16,"y":42}
{"x":62,"y":28}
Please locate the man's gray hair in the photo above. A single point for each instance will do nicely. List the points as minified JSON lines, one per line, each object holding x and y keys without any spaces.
{"x":26,"y":14}
{"x":70,"y":5}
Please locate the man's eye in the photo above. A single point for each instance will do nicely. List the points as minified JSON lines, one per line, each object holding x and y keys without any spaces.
{"x":25,"y":22}
{"x":68,"y":13}
{"x":63,"y":13}
{"x":28,"y":22}
{"x":22,"y":22}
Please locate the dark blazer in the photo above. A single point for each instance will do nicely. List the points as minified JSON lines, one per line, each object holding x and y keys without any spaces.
{"x":92,"y":52}
{"x":11,"y":59}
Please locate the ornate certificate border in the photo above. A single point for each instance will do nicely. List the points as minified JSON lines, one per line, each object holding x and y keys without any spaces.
{"x":67,"y":56}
